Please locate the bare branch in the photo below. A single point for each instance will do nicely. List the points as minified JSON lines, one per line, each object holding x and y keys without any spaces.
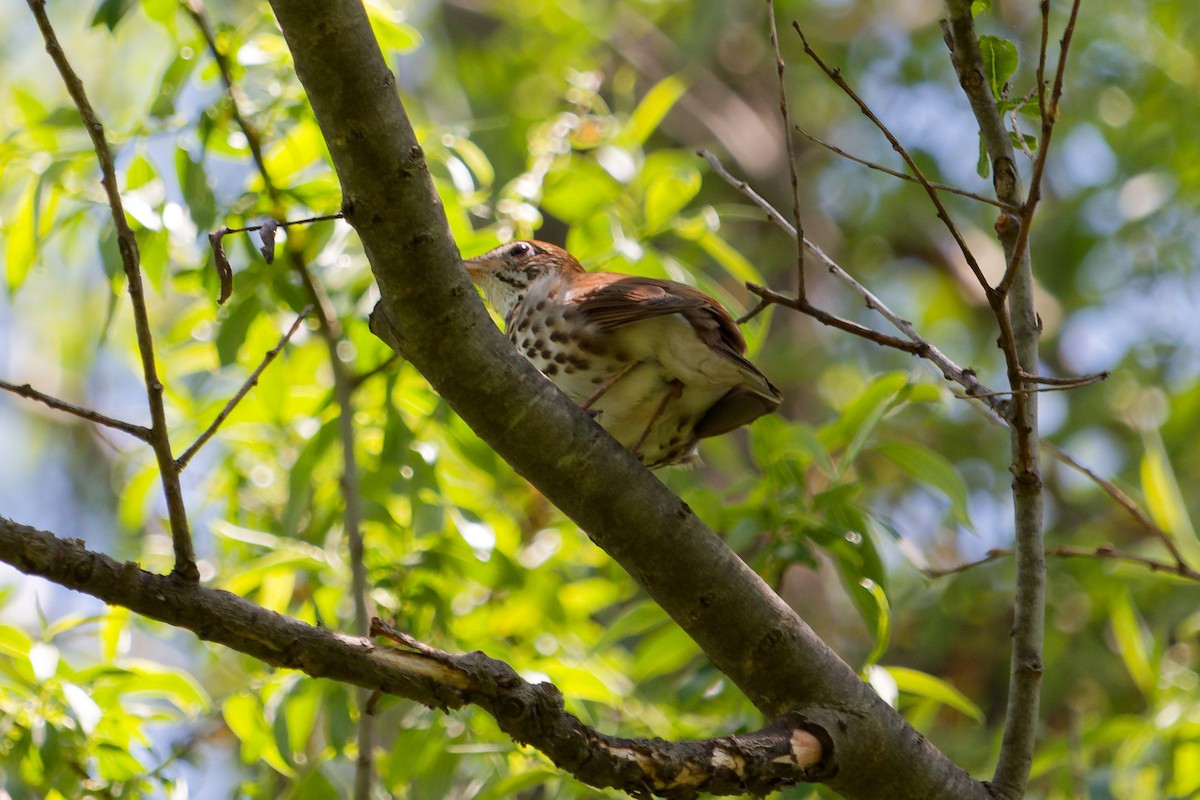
{"x":758,"y":763}
{"x":952,"y":372}
{"x":904,"y":176}
{"x":25,"y":390}
{"x":768,"y":296}
{"x":791,"y":153}
{"x":1105,"y":553}
{"x":181,"y":537}
{"x":791,"y":750}
{"x":942,"y":214}
{"x":1055,"y":385}
{"x":250,"y":383}
{"x":1069,"y":383}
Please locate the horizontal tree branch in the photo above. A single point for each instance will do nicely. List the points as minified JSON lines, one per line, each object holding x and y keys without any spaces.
{"x":790,"y":750}
{"x":1105,"y":552}
{"x":27,"y":391}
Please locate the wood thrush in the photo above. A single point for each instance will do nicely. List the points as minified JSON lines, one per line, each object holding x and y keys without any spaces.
{"x":657,"y":364}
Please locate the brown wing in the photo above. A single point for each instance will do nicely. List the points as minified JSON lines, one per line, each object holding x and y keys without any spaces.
{"x":610,"y":301}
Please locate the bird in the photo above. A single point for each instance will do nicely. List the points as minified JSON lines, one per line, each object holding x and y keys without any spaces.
{"x":656,"y":363}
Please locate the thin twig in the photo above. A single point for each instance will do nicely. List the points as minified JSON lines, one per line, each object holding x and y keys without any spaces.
{"x":250,"y":383}
{"x":759,"y":307}
{"x":25,"y":390}
{"x":1049,"y":116}
{"x":1062,"y":387}
{"x":1070,"y":383}
{"x":768,"y":296}
{"x":181,"y":537}
{"x":942,"y":214}
{"x":383,"y":366}
{"x":963,"y":377}
{"x":343,"y":388}
{"x":284,"y":223}
{"x":904,"y":176}
{"x":1104,"y":552}
{"x":801,"y":292}
{"x":1121,"y":499}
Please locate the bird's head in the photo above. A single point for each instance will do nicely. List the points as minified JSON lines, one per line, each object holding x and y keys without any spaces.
{"x":505,"y":273}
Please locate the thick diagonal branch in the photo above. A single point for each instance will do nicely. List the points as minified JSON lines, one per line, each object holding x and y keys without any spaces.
{"x":432,"y":315}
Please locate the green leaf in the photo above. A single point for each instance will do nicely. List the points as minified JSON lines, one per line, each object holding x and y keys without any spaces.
{"x":1164,"y":498}
{"x":983,"y":167}
{"x":667,"y":195}
{"x":132,"y":505}
{"x":174,"y":78}
{"x":393,"y":35}
{"x":116,"y":763}
{"x":244,"y":717}
{"x":860,"y":416}
{"x":931,"y":468}
{"x":301,"y":147}
{"x":14,"y":641}
{"x":110,"y":12}
{"x":732,"y":261}
{"x":999,"y":62}
{"x":579,"y":190}
{"x":175,"y":686}
{"x":20,"y":250}
{"x":1131,"y":642}
{"x":921,"y":684}
{"x":649,"y":113}
{"x":882,"y":619}
{"x":197,"y":193}
{"x":112,"y":628}
{"x":235,"y":326}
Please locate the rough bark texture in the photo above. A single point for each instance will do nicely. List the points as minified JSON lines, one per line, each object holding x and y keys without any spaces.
{"x":431,"y":314}
{"x":788,"y":751}
{"x":1029,"y":604}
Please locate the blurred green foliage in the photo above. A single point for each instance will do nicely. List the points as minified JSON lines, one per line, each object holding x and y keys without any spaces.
{"x":577,"y":122}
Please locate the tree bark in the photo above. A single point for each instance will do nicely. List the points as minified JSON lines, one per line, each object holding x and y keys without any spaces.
{"x":431,"y":314}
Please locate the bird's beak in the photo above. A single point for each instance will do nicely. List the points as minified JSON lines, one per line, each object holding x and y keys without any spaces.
{"x":481,"y":265}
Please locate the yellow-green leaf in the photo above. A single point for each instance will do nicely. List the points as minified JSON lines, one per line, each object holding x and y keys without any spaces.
{"x":1164,"y":499}
{"x":649,"y":113}
{"x":1131,"y":642}
{"x":922,"y":684}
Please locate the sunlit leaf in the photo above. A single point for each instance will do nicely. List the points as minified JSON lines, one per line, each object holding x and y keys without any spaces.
{"x":921,"y":684}
{"x":667,"y":195}
{"x":1164,"y":499}
{"x":1131,"y":642}
{"x":20,"y":234}
{"x":650,"y":111}
{"x":243,"y":715}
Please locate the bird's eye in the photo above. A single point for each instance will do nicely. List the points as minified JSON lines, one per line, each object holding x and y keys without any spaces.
{"x":520,"y":250}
